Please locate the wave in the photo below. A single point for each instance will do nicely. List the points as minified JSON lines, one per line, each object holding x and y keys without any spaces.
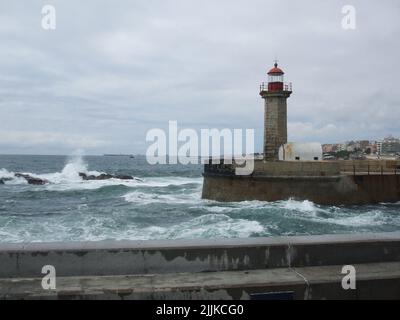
{"x":346,"y":217}
{"x":366,"y":219}
{"x":9,"y":178}
{"x":209,"y":226}
{"x":214,"y":226}
{"x":70,"y":173}
{"x":304,"y":210}
{"x":303,"y":206}
{"x":69,"y":179}
{"x":143,"y":198}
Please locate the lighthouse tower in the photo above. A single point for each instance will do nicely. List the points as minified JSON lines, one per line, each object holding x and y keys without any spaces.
{"x":275,"y":94}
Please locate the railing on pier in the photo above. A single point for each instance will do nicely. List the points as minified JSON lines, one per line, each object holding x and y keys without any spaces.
{"x":225,"y":168}
{"x":370,"y":167}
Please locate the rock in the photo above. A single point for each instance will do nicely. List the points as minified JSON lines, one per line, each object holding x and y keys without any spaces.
{"x":32,"y":180}
{"x":105,"y":176}
{"x":4,"y":180}
{"x":122,"y":177}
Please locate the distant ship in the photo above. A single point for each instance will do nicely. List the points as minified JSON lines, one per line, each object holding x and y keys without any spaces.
{"x":119,"y":155}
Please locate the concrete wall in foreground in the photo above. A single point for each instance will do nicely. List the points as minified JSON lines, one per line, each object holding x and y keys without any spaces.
{"x":158,"y":257}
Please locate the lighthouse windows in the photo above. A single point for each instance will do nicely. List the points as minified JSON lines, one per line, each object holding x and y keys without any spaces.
{"x":275,"y":78}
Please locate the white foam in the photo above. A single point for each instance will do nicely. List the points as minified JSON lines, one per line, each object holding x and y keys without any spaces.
{"x":69,"y":179}
{"x":70,"y":173}
{"x":143,"y":198}
{"x":11,"y":178}
{"x":4,"y":173}
{"x":302,"y":206}
{"x":170,"y":181}
{"x":215,"y":226}
{"x":371,"y":218}
{"x":206,"y":226}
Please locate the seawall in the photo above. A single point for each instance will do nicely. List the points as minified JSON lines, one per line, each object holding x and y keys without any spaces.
{"x":309,"y":266}
{"x":335,"y":190}
{"x":331,"y":183}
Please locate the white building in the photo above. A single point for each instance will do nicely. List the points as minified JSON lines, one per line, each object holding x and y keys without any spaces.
{"x":301,"y":152}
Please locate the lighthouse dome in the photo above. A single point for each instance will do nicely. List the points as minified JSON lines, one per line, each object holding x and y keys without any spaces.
{"x":275,"y":70}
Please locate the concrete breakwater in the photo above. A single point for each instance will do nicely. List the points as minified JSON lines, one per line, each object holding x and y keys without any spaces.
{"x":310,"y":267}
{"x":330,"y":182}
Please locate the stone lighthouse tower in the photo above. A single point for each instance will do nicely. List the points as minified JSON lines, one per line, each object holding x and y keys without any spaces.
{"x":275,"y":94}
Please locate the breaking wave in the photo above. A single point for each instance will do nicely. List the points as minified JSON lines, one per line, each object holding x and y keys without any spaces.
{"x":69,"y":179}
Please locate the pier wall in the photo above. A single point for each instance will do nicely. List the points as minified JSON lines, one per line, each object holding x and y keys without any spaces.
{"x":323,"y":182}
{"x":330,"y":190}
{"x":309,"y":266}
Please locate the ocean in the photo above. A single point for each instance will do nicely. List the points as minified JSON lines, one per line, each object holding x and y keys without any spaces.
{"x":164,"y":204}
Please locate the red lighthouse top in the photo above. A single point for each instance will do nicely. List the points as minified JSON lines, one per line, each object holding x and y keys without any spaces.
{"x":275,"y":81}
{"x":275,"y":70}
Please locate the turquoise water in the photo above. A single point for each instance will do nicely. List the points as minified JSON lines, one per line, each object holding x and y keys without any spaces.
{"x":166,"y":204}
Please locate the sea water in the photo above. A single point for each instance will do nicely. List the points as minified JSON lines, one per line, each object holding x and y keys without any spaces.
{"x":164,"y":204}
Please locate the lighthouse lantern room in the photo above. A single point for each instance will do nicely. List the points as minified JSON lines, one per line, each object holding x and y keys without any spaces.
{"x":275,"y":79}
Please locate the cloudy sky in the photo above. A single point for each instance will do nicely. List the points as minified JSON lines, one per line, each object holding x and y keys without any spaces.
{"x":112,"y":70}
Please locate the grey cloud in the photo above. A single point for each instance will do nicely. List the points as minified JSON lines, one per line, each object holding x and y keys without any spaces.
{"x":112,"y":70}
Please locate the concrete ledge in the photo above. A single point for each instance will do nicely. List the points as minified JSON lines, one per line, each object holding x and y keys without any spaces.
{"x":149,"y":257}
{"x":374,"y":281}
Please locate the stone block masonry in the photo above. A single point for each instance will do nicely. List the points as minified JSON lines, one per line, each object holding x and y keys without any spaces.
{"x":275,"y":122}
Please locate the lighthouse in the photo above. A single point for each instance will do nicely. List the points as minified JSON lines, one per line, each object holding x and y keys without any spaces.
{"x":275,"y":93}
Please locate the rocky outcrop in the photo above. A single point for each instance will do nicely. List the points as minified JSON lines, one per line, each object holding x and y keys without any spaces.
{"x":84,"y":176}
{"x":105,"y":176}
{"x":32,"y":180}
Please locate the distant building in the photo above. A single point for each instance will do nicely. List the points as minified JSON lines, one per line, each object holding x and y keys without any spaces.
{"x":390,"y":148}
{"x":370,"y":149}
{"x":363,"y":144}
{"x":327,"y":148}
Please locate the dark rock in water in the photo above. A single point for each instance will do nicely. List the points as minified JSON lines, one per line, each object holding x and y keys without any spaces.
{"x":83,"y":175}
{"x":32,"y":180}
{"x":122,"y":177}
{"x":105,"y":176}
{"x":4,"y":180}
